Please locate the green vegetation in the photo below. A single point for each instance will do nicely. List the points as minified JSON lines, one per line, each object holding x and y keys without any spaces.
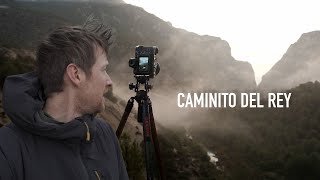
{"x":185,"y":158}
{"x":133,"y":157}
{"x":267,"y":143}
{"x":10,"y":66}
{"x":182,"y":158}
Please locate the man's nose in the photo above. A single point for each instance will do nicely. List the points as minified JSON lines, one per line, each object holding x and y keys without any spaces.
{"x":109,"y":83}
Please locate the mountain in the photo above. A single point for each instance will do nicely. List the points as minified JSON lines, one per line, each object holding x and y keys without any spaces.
{"x":188,"y":61}
{"x":300,"y":64}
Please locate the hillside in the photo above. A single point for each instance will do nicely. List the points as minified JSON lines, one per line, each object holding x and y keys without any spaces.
{"x":265,"y":143}
{"x":188,"y":61}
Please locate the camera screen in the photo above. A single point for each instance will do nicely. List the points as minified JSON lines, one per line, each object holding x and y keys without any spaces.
{"x":143,"y":64}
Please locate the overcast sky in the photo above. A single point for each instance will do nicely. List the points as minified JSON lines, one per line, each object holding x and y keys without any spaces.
{"x":259,"y":32}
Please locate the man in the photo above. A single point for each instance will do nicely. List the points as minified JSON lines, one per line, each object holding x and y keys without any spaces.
{"x":54,"y":134}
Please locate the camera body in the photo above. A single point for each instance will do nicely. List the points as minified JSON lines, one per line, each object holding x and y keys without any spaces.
{"x":144,"y":63}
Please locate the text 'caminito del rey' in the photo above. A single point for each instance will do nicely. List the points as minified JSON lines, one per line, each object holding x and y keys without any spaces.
{"x":232,"y":100}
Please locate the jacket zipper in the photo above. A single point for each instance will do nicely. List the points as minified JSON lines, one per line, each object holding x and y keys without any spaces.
{"x":97,"y":174}
{"x":88,"y":132}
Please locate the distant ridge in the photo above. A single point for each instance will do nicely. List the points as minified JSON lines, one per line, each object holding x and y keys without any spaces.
{"x":300,"y":64}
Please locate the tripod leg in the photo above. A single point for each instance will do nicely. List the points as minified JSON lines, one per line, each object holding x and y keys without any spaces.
{"x":125,"y":117}
{"x":147,"y":140}
{"x":156,"y":142}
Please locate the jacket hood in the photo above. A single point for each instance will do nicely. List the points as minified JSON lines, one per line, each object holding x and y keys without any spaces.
{"x":23,"y":99}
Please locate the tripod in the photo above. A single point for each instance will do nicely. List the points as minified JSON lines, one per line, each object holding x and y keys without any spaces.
{"x":145,"y":116}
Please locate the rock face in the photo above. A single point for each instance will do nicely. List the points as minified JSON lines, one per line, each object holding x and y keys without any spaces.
{"x":188,"y":61}
{"x":204,"y":62}
{"x":300,"y":64}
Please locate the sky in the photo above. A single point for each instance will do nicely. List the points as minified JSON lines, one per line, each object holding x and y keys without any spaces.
{"x":257,"y":31}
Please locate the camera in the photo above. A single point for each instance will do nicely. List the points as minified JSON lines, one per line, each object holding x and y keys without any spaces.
{"x":144,"y":63}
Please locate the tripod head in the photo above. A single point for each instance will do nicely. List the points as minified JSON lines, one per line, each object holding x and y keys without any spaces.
{"x":141,"y":79}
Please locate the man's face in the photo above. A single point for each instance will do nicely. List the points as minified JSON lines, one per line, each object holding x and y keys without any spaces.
{"x":91,"y":96}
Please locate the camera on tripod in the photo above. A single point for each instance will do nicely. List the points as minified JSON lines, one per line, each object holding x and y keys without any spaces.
{"x":145,"y":67}
{"x":144,"y":63}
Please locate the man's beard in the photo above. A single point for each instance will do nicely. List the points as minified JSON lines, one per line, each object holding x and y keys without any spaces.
{"x":99,"y":109}
{"x":86,"y":106}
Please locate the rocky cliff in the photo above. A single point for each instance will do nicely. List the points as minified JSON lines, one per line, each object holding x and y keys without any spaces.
{"x":300,"y":64}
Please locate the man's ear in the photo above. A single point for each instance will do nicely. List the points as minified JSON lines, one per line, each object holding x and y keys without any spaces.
{"x":74,"y":74}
